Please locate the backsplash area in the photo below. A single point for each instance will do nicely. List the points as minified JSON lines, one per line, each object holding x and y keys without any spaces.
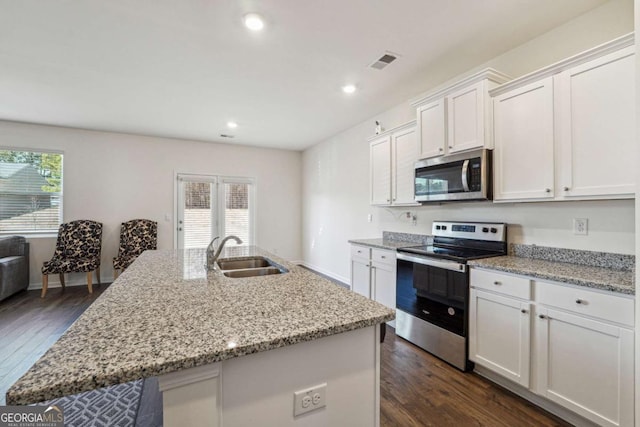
{"x":418,"y":239}
{"x":574,"y":256}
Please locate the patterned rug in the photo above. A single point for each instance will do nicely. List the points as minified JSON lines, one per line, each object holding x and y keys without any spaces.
{"x":105,"y":407}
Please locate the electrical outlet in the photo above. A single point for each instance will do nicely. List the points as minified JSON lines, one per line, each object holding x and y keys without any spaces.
{"x":580,"y":226}
{"x":310,"y":399}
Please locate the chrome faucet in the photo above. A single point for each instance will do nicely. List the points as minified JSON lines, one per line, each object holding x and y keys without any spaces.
{"x":213,"y":257}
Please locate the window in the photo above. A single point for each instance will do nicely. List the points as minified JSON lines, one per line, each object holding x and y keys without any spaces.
{"x":210,"y":206}
{"x":30,"y":191}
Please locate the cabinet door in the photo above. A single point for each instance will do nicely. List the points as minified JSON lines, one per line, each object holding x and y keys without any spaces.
{"x":524,"y":142}
{"x":499,"y":335}
{"x":585,"y":366}
{"x":384,"y":284}
{"x":596,"y":122}
{"x":360,"y":277}
{"x":431,"y":122}
{"x":380,"y":164}
{"x":466,"y":118}
{"x":405,"y":153}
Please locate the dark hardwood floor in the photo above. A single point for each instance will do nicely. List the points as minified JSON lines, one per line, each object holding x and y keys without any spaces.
{"x":29,"y":325}
{"x":417,"y":389}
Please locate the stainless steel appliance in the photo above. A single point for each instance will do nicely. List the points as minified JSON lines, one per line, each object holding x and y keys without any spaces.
{"x":464,"y":176}
{"x":432,"y":294}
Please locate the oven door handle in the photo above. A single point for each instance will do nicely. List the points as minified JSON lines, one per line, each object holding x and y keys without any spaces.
{"x":465,"y":173}
{"x":433,"y":262}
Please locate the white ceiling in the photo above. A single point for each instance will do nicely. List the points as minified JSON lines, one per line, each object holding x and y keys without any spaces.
{"x":183,"y":68}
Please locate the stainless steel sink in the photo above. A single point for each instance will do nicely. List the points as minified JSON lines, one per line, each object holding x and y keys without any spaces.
{"x":239,"y":264}
{"x":249,"y":267}
{"x":253,"y":272}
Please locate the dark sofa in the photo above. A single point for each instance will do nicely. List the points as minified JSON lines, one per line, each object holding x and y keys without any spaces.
{"x":14,"y":265}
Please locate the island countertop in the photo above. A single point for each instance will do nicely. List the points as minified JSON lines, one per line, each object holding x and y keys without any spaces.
{"x":166,"y":313}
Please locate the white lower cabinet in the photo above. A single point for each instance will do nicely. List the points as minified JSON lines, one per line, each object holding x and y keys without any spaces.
{"x":373,"y":274}
{"x":586,"y":366}
{"x":499,"y":338}
{"x":571,"y":345}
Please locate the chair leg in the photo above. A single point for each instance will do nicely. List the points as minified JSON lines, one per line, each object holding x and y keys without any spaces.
{"x":98,"y":274}
{"x":62,"y":280}
{"x":89,"y":282}
{"x":45,"y":284}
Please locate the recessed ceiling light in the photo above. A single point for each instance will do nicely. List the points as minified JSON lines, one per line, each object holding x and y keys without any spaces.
{"x":232,"y":125}
{"x":253,"y":21}
{"x":349,"y":88}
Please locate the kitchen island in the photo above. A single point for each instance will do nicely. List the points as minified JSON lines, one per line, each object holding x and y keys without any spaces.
{"x":221,"y":346}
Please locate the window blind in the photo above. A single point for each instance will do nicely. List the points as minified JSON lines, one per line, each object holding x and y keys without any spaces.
{"x":236,"y":213}
{"x":198,"y":214}
{"x":30,"y":191}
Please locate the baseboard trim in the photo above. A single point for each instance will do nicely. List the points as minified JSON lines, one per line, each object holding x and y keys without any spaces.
{"x":326,"y":273}
{"x":537,"y":400}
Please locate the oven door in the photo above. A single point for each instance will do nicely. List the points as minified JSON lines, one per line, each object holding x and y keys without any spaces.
{"x":433,"y":290}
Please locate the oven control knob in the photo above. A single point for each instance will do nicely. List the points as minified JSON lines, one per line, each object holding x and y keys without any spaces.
{"x":438,"y":227}
{"x":485,"y":230}
{"x":444,"y":227}
{"x":494,"y":230}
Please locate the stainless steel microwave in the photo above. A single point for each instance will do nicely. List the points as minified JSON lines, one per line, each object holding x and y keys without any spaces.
{"x":461,"y":177}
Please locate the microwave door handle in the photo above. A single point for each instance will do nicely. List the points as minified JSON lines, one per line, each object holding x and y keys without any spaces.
{"x":465,"y":169}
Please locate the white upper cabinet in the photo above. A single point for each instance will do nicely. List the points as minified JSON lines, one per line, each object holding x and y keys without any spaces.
{"x":596,"y":127}
{"x":403,"y":157}
{"x":392,"y":159}
{"x":432,"y":129}
{"x":380,"y":170}
{"x":458,"y":117}
{"x":524,"y":142}
{"x":566,"y":132}
{"x":466,"y":111}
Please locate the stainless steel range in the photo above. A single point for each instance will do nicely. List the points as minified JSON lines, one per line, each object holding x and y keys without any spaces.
{"x":432,"y":295}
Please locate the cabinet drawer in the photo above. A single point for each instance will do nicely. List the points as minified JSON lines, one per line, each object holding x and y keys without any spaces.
{"x":360,"y":252}
{"x":506,"y":284}
{"x":607,"y":307}
{"x":382,"y":256}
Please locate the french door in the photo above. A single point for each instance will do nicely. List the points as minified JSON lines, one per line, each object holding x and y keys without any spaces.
{"x":209,"y":206}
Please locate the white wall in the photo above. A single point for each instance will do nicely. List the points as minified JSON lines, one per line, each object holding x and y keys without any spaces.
{"x":111,"y":178}
{"x":336,"y":171}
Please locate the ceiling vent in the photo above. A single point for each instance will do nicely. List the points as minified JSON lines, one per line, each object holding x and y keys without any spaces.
{"x":384,"y":60}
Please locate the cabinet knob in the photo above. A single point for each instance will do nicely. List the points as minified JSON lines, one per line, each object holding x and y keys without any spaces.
{"x":542,"y":316}
{"x":394,"y":199}
{"x":548,"y":190}
{"x":523,"y":311}
{"x":579,"y":301}
{"x":440,"y":149}
{"x":388,"y":200}
{"x":497,"y":283}
{"x":383,"y":256}
{"x":566,"y":188}
{"x":451,"y":146}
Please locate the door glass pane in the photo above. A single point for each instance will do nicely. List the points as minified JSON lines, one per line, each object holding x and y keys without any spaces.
{"x":198,"y":214}
{"x":236,"y":212}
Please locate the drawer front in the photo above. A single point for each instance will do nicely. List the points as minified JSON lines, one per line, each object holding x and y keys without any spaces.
{"x":362,"y":252}
{"x":381,"y":256}
{"x":506,"y":284}
{"x":603,"y":306}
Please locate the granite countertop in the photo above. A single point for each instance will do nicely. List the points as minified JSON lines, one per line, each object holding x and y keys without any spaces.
{"x":382,"y":243}
{"x":607,"y":279}
{"x":166,"y":313}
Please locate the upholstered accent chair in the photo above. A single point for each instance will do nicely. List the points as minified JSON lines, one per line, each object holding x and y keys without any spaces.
{"x":77,"y":251}
{"x":14,"y":265}
{"x":136,"y":236}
